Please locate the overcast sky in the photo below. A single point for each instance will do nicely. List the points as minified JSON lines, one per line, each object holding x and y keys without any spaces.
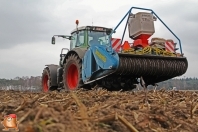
{"x":26,"y":28}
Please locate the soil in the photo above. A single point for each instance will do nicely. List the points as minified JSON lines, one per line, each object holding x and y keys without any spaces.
{"x":99,"y":110}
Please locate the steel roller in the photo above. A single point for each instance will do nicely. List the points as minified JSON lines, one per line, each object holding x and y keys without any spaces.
{"x":155,"y":67}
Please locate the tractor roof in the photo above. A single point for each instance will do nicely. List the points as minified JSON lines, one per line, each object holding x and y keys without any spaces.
{"x":97,"y":28}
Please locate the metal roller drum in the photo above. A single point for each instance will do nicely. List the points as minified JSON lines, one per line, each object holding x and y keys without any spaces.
{"x":152,"y":68}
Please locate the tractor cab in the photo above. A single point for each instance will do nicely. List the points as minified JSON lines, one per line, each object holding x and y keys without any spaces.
{"x":86,"y":36}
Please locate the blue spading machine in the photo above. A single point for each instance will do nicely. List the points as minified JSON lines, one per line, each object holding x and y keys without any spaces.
{"x":96,"y":58}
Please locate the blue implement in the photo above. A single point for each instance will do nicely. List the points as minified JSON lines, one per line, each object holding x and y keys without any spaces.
{"x":98,"y":62}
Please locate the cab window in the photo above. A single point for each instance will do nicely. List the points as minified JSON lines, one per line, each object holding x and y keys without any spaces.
{"x":98,"y":38}
{"x":77,"y":40}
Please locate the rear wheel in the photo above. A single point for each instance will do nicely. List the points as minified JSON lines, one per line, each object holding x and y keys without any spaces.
{"x":72,"y":73}
{"x":46,"y":81}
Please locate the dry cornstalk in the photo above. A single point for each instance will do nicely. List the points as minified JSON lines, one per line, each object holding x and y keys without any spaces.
{"x":38,"y":114}
{"x":22,"y":105}
{"x":51,"y":101}
{"x":34,"y":99}
{"x":193,"y":109}
{"x":124,"y":101}
{"x":53,"y":115}
{"x":25,"y":103}
{"x":82,"y":107}
{"x":154,"y":130}
{"x":95,"y":87}
{"x":98,"y":108}
{"x":107,"y":118}
{"x":45,"y":105}
{"x":5,"y":102}
{"x":102,"y":92}
{"x":127,"y":124}
{"x":60,"y":126}
{"x":43,"y":97}
{"x":177,"y":127}
{"x":176,"y":100}
{"x":25,"y":116}
{"x":136,"y":116}
{"x":114,"y":117}
{"x":67,"y":104}
{"x":161,"y":99}
{"x":80,"y":118}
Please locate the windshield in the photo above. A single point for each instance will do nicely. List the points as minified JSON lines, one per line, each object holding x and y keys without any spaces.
{"x":96,"y":37}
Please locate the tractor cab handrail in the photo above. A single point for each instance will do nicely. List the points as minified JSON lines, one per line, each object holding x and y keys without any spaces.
{"x":128,"y":13}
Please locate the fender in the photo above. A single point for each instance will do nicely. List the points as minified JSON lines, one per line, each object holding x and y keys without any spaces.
{"x":53,"y":73}
{"x":79,"y":51}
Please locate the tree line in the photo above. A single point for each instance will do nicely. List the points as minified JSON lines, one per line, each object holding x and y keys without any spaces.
{"x":187,"y":83}
{"x":25,"y":82}
{"x":21,"y":83}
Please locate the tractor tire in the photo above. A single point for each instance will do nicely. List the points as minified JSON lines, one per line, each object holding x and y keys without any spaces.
{"x":46,"y":81}
{"x":72,"y":72}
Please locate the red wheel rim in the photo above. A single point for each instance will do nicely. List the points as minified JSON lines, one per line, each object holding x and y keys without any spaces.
{"x":45,"y":83}
{"x":72,"y":77}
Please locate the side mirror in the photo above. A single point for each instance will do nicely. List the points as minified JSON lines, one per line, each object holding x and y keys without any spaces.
{"x":53,"y":40}
{"x":71,"y":38}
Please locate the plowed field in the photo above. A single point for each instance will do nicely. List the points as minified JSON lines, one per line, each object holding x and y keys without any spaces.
{"x":102,"y":111}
